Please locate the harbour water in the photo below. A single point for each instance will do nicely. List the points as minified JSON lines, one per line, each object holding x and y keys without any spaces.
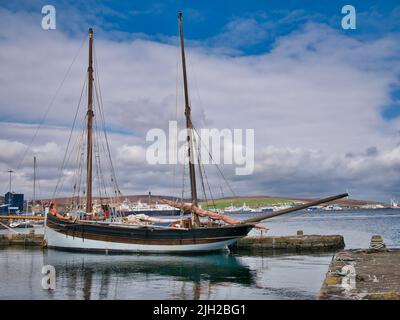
{"x":208,"y":276}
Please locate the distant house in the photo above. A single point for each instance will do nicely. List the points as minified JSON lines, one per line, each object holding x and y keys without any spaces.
{"x":13,"y":203}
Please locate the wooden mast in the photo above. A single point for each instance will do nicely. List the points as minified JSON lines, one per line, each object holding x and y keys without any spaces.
{"x":89,"y":153}
{"x":189,"y":127}
{"x":9,"y":183}
{"x":34,"y":182}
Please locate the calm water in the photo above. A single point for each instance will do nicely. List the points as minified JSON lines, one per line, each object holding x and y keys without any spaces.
{"x":214,"y":276}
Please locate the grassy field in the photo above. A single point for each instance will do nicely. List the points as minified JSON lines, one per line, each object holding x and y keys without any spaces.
{"x":251,"y":202}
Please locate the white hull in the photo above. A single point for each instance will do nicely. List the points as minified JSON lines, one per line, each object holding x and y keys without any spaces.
{"x":58,"y":240}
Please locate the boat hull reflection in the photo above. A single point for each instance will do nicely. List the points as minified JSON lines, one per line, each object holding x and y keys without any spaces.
{"x":85,"y":271}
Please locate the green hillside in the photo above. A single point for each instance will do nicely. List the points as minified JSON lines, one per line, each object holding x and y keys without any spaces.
{"x":251,"y":202}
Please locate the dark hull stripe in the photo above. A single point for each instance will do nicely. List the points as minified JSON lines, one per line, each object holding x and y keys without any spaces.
{"x":146,"y":235}
{"x":153,"y":213}
{"x":119,"y":239}
{"x":122,"y":251}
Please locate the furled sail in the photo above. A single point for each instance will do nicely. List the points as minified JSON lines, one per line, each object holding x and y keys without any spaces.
{"x":201,"y":212}
{"x":137,"y":218}
{"x":205,"y":213}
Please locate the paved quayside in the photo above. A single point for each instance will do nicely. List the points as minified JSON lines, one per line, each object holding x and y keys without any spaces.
{"x":363,"y":274}
{"x":295,"y":243}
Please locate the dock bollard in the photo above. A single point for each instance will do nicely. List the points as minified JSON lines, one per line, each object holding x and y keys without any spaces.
{"x":377,"y":242}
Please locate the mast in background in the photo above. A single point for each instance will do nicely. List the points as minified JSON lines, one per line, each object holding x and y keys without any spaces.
{"x":9,"y":183}
{"x":34,"y":181}
{"x":89,"y":127}
{"x":189,"y":126}
{"x":10,"y":192}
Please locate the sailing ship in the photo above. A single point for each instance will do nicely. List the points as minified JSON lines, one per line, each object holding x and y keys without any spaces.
{"x":140,"y":234}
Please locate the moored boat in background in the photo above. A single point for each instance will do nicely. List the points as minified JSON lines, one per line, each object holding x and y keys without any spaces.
{"x":139,"y":207}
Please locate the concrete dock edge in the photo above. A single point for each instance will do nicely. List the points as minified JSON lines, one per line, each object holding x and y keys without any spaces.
{"x":363,"y":274}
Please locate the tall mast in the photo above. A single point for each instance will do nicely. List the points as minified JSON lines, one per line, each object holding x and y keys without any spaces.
{"x":9,"y":182}
{"x":10,"y":192}
{"x":189,"y":126}
{"x":34,"y":181}
{"x":89,"y":127}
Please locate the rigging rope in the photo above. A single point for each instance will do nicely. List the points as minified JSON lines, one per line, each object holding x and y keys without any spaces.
{"x":50,"y":106}
{"x":183,"y":182}
{"x":175,"y":149}
{"x":79,"y":170}
{"x":69,"y":139}
{"x":209,"y":189}
{"x":101,"y":112}
{"x":79,"y":145}
{"x":216,"y":165}
{"x":201,"y":173}
{"x":201,"y":168}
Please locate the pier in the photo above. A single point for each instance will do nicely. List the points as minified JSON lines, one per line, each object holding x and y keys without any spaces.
{"x":297,"y":243}
{"x":363,"y":274}
{"x":30,"y":239}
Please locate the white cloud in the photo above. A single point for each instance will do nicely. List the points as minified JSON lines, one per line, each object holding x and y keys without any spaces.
{"x":316,"y":97}
{"x":240,"y":32}
{"x":128,"y":155}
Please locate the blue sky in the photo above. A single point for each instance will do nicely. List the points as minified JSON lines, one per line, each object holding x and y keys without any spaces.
{"x":320,"y":98}
{"x":264,"y":20}
{"x":208,"y":18}
{"x":205,"y":19}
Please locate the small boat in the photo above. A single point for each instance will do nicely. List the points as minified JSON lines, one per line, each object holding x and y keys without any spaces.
{"x":373,"y":206}
{"x":236,"y":210}
{"x":281,"y":207}
{"x":22,"y":224}
{"x":314,"y":208}
{"x":247,"y":209}
{"x":232,"y":209}
{"x":151,"y":210}
{"x":275,"y":208}
{"x":333,"y":207}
